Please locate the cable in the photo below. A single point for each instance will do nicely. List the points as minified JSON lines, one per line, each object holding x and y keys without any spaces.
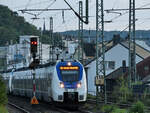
{"x":114,"y":3}
{"x":127,"y":12}
{"x":43,"y":2}
{"x":27,"y":4}
{"x":46,"y":7}
{"x":127,"y":26}
{"x":119,"y":16}
{"x":145,"y":5}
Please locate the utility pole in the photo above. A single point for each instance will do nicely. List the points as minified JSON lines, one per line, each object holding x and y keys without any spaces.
{"x":100,"y":62}
{"x":51,"y":39}
{"x":132,"y":52}
{"x":40,"y":46}
{"x":80,"y":33}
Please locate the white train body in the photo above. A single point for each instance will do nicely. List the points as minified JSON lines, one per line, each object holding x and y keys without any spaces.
{"x":63,"y":82}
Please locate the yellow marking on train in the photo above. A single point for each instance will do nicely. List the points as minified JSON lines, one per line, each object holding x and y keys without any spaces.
{"x":69,"y":68}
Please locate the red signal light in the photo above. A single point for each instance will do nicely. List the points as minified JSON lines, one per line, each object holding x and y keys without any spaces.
{"x":34,"y":43}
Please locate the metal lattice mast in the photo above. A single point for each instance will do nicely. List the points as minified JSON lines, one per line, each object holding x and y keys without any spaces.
{"x":40,"y":47}
{"x":132,"y":52}
{"x":80,"y":33}
{"x":100,"y":61}
{"x":51,"y":38}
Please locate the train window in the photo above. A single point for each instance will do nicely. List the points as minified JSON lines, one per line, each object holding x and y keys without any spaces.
{"x":70,"y":75}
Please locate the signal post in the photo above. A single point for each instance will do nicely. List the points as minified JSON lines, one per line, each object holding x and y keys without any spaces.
{"x":34,"y":63}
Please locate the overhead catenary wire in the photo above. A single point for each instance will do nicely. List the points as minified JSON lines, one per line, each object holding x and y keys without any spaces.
{"x":145,"y":5}
{"x":74,"y":17}
{"x":37,"y":15}
{"x":31,"y":4}
{"x":127,"y":26}
{"x":46,"y":7}
{"x":27,"y":4}
{"x":128,"y":12}
{"x":114,"y":3}
{"x":122,"y":14}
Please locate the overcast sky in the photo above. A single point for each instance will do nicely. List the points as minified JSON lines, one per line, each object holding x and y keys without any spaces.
{"x":71,"y":21}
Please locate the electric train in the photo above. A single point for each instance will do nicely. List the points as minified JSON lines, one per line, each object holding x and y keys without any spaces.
{"x":60,"y":82}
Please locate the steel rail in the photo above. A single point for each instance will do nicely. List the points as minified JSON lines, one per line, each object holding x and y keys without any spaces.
{"x":17,"y":107}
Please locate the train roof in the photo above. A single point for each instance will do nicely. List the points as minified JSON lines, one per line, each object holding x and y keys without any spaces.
{"x":28,"y":68}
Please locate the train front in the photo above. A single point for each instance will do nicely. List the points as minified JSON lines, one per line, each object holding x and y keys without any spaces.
{"x":69,"y":86}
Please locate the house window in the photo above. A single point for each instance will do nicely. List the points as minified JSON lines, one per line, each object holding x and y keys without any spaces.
{"x":111,"y":64}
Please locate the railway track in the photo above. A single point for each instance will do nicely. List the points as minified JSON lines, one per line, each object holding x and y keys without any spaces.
{"x":19,"y":109}
{"x":43,"y":107}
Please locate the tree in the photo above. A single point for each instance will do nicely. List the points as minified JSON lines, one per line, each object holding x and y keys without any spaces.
{"x":121,"y":91}
{"x":3,"y":94}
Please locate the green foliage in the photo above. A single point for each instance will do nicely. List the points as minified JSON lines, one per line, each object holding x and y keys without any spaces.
{"x":121,"y":91}
{"x":137,"y":83}
{"x":89,"y":96}
{"x":12,"y":26}
{"x":137,"y":108}
{"x":56,"y":41}
{"x":112,"y":109}
{"x":108,"y":108}
{"x":117,"y":110}
{"x":3,"y":109}
{"x":3,"y":95}
{"x":96,"y":109}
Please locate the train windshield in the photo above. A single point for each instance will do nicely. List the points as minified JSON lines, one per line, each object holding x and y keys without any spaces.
{"x":70,"y":75}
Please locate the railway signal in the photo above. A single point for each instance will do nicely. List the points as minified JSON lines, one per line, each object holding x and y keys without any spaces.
{"x":33,"y":45}
{"x":33,"y":49}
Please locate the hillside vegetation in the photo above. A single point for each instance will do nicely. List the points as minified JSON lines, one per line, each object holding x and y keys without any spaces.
{"x":3,"y":96}
{"x":12,"y":25}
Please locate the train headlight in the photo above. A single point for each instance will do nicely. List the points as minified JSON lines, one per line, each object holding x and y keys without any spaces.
{"x":79,"y":85}
{"x":62,"y":85}
{"x":69,"y":63}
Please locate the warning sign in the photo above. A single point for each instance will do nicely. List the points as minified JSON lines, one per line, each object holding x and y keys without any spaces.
{"x":99,"y":80}
{"x":34,"y":100}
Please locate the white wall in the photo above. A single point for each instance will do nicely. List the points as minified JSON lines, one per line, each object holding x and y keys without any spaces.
{"x":117,"y":54}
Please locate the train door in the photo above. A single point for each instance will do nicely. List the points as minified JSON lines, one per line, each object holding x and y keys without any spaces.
{"x":49,"y":77}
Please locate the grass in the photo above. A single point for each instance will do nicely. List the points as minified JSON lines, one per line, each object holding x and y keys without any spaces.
{"x":89,"y":96}
{"x":120,"y":111}
{"x":113,"y":109}
{"x":3,"y":109}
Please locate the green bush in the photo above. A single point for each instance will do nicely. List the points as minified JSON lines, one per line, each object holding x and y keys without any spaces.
{"x":108,"y":108}
{"x":137,"y":108}
{"x":122,"y":93}
{"x":117,"y":110}
{"x":89,"y":96}
{"x":3,"y":94}
{"x":3,"y":109}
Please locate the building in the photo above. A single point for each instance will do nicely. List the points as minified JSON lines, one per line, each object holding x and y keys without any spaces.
{"x":143,"y":69}
{"x":115,"y":55}
{"x":18,"y":55}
